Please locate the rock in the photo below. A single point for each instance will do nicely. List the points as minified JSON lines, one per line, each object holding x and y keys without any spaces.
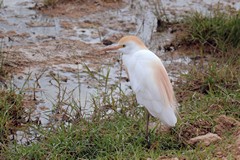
{"x":207,"y":139}
{"x":167,"y":158}
{"x":107,"y":42}
{"x":112,"y":39}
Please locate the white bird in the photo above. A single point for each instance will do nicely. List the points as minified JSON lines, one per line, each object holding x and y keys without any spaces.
{"x":148,"y":78}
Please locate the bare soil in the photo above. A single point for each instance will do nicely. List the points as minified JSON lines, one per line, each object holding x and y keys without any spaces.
{"x":78,"y":9}
{"x":50,"y":50}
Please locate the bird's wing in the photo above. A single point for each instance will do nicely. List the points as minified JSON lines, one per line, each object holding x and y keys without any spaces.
{"x":151,"y":84}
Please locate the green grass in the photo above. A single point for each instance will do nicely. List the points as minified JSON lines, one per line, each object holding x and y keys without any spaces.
{"x":11,"y":114}
{"x":117,"y":137}
{"x":50,"y":2}
{"x":53,"y":3}
{"x":207,"y":92}
{"x":215,"y":84}
{"x":3,"y":70}
{"x":220,"y":30}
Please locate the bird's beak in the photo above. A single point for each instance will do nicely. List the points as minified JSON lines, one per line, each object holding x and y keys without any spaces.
{"x":112,"y":47}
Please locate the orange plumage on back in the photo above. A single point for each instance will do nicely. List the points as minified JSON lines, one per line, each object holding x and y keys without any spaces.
{"x":164,"y":84}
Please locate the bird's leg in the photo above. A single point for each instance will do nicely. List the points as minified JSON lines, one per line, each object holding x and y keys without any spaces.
{"x":147,"y":132}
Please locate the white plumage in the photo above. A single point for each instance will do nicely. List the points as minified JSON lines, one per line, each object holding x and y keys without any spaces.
{"x":148,"y":78}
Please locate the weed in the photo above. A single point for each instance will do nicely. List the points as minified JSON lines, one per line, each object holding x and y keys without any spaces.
{"x":116,"y":128}
{"x":11,"y":113}
{"x":219,"y":30}
{"x":3,"y":71}
{"x":217,"y":78}
{"x":1,"y":3}
{"x":117,"y":136}
{"x":53,"y":3}
{"x":50,"y":3}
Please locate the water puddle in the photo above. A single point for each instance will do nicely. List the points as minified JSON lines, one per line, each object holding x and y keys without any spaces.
{"x":51,"y":86}
{"x":52,"y":81}
{"x":57,"y":85}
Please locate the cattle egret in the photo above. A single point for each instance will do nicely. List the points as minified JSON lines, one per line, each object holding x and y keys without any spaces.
{"x":148,"y":78}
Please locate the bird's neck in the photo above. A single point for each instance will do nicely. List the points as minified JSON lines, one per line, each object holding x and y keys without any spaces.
{"x":127,"y":60}
{"x":131,"y":58}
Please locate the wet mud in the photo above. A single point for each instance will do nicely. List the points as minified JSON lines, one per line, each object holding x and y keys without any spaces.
{"x":53,"y":52}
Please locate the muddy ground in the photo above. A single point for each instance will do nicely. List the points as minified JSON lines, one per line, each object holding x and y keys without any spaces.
{"x":46,"y":48}
{"x":41,"y":43}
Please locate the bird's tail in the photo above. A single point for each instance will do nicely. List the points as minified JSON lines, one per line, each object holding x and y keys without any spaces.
{"x":168,"y":116}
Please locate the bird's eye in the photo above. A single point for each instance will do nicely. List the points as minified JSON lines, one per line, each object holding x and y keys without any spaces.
{"x":124,"y":45}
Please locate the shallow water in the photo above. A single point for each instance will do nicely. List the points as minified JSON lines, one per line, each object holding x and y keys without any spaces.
{"x":19,"y":18}
{"x":66,"y":82}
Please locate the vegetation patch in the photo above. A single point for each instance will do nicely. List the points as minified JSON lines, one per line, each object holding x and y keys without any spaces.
{"x":219,"y":30}
{"x":11,"y":114}
{"x":52,"y":3}
{"x":216,"y":34}
{"x":209,"y":98}
{"x":115,"y":137}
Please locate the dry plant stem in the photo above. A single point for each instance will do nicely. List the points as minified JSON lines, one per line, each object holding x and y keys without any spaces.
{"x":36,"y":84}
{"x":79,"y":91}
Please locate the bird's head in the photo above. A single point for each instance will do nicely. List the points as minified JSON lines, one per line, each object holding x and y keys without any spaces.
{"x":127,"y":45}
